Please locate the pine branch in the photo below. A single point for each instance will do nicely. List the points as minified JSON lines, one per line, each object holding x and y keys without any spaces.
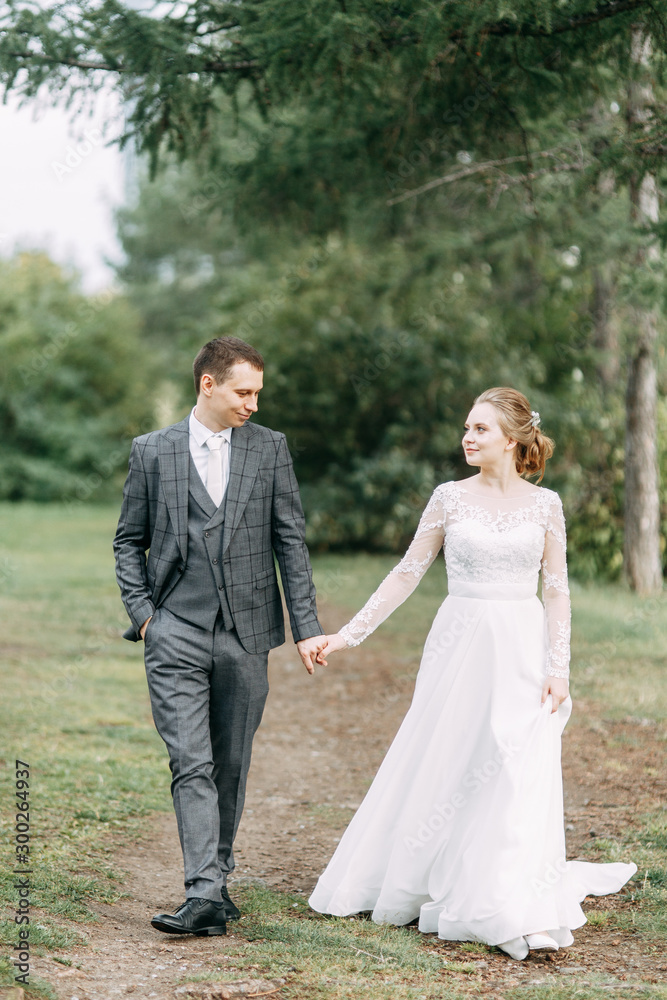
{"x":227,"y":26}
{"x":457,"y":175}
{"x":61,"y":61}
{"x":508,"y":108}
{"x":228,"y":67}
{"x":602,"y":13}
{"x":499,"y":29}
{"x":215,"y":66}
{"x":521,"y":178}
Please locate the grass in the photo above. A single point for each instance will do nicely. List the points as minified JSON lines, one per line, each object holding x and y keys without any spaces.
{"x":284,"y":940}
{"x":76,"y":708}
{"x":646,"y":844}
{"x":38,"y":988}
{"x":350,"y":958}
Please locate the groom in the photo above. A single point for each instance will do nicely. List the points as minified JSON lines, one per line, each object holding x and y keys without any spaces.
{"x":212,"y":499}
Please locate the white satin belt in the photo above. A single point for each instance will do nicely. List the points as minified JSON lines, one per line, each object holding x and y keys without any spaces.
{"x":492,"y":591}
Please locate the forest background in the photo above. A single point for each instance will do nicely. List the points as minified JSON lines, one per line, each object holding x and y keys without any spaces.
{"x":399,"y":204}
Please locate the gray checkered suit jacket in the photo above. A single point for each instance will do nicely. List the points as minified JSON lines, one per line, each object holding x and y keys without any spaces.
{"x":263,"y":515}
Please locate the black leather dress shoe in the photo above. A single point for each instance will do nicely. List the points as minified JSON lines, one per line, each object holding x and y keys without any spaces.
{"x":232,"y":911}
{"x":195,"y":916}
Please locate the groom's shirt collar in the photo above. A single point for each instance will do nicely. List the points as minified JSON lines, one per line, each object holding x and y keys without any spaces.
{"x":200,"y":434}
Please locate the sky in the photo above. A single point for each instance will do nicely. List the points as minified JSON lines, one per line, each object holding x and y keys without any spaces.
{"x":60,"y":181}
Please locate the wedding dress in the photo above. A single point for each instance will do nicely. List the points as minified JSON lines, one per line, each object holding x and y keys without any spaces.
{"x":463,"y":824}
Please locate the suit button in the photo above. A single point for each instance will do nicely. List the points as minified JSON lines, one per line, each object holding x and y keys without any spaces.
{"x":181,"y":568}
{"x":207,"y":534}
{"x":219,"y":586}
{"x":214,"y":561}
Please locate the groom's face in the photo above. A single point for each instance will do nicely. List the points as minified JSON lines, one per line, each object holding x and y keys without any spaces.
{"x":232,"y":402}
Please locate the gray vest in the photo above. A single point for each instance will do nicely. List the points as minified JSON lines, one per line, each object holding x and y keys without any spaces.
{"x":200,"y":592}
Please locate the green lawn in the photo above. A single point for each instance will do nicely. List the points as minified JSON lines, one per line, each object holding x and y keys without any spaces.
{"x":75,"y":708}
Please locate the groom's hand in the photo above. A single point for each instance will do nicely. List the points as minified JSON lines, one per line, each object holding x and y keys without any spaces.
{"x":309,"y":649}
{"x":142,"y":630}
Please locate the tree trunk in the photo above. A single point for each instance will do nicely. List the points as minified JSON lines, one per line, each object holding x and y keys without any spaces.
{"x":605,"y":331}
{"x":642,"y":499}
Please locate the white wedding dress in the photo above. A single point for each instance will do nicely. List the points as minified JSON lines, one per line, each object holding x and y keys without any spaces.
{"x":463,"y":824}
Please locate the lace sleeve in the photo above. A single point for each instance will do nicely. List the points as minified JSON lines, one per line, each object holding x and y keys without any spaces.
{"x":404,"y":577}
{"x":556,"y":593}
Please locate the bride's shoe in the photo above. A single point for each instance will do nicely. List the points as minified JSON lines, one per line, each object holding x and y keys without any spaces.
{"x":541,"y":942}
{"x":516,"y":948}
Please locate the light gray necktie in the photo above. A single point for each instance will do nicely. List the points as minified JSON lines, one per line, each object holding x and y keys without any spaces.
{"x":216,"y":474}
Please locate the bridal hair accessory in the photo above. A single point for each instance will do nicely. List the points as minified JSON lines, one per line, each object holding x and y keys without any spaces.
{"x":534,"y":418}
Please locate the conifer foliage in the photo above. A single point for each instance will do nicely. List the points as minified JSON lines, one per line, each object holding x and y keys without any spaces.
{"x":485,"y":151}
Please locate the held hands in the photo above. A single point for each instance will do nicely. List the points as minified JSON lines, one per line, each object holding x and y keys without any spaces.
{"x":309,"y":651}
{"x":333,"y":643}
{"x":558,"y":688}
{"x":313,"y":650}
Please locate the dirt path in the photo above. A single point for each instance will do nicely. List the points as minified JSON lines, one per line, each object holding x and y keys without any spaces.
{"x":319,"y":745}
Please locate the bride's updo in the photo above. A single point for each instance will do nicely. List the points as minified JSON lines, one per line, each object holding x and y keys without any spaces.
{"x":521,"y":424}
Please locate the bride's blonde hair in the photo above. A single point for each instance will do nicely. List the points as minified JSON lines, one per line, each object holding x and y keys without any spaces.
{"x":517,"y":422}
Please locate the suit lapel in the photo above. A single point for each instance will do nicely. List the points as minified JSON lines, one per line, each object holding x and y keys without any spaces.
{"x":245,"y":459}
{"x":174,"y":459}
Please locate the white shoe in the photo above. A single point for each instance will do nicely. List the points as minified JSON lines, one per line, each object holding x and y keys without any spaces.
{"x":516,"y":948}
{"x":541,"y":942}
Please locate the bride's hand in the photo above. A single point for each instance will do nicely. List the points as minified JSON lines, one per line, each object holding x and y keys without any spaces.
{"x":334,"y":642}
{"x":558,"y":688}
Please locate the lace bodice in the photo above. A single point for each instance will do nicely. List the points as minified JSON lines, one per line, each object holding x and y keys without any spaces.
{"x":487,"y":540}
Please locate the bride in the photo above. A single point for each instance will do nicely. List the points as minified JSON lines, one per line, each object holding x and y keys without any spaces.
{"x":462,"y":827}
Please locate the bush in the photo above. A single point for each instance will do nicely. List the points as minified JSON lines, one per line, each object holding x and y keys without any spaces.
{"x":75,"y":385}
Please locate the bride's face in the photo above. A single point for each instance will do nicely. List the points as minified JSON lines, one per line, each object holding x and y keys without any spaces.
{"x":484,"y":443}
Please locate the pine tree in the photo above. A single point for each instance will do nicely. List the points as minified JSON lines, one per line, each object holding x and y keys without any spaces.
{"x":642,"y":498}
{"x":377,"y":120}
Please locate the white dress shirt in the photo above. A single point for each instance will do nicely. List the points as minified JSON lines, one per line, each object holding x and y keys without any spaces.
{"x":199,"y":435}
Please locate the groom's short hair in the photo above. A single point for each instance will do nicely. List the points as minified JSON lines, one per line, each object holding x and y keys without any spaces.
{"x":220,"y":355}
